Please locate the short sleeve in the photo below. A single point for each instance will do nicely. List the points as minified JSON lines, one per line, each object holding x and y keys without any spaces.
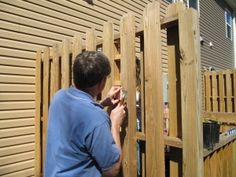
{"x":102,"y":147}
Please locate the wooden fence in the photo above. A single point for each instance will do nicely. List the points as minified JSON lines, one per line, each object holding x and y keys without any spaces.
{"x":220,"y":97}
{"x":54,"y":72}
{"x":220,"y":91}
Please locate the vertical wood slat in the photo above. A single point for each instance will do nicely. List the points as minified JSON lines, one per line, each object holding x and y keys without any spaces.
{"x":153,"y":89}
{"x":221,"y":92}
{"x":207,"y":92}
{"x":191,"y":93}
{"x":46,"y":89}
{"x":172,"y":46}
{"x":234,"y":90}
{"x":234,"y":159}
{"x":174,"y":86}
{"x":228,"y":91}
{"x":55,"y":70}
{"x":128,"y":75}
{"x":65,"y":63}
{"x":38,"y":114}
{"x":230,"y":159}
{"x":207,"y":167}
{"x":142,"y":90}
{"x":108,"y":50}
{"x":213,"y":164}
{"x":90,"y":40}
{"x":116,"y":63}
{"x":214,"y":92}
{"x":77,"y":46}
{"x":221,"y":156}
{"x":76,"y":49}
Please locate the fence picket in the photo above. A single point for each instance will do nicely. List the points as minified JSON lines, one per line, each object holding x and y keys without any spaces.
{"x":90,"y":40}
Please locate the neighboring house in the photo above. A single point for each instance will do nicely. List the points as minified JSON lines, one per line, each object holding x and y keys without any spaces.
{"x":217,"y":31}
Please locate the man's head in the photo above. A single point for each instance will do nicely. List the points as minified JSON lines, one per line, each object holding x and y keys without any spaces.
{"x":90,"y":68}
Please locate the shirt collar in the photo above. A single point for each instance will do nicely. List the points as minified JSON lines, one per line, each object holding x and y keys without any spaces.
{"x":79,"y":94}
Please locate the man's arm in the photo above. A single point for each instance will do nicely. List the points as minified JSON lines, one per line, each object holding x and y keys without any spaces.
{"x":115,"y":169}
{"x":117,"y":117}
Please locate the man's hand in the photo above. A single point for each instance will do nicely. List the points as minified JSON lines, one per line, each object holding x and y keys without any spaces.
{"x":113,"y":97}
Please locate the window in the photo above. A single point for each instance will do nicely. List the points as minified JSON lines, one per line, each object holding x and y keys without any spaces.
{"x":170,"y":1}
{"x":228,"y":23}
{"x":193,"y":4}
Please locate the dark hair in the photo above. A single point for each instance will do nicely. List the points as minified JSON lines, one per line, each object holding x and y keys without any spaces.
{"x":89,"y":68}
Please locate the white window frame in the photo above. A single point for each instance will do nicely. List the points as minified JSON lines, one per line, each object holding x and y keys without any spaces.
{"x":227,"y":24}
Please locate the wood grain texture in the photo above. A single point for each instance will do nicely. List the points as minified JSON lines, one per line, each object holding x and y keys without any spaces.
{"x":108,"y":50}
{"x":191,"y":93}
{"x":90,"y":40}
{"x":38,"y":98}
{"x":155,"y":165}
{"x":128,"y":83}
{"x":65,"y":63}
{"x":45,"y":95}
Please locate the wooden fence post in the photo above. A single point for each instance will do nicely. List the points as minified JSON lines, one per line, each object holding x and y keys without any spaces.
{"x":155,"y":160}
{"x":191,"y":94}
{"x":128,"y":82}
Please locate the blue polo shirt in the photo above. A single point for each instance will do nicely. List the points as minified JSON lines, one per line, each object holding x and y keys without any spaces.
{"x":79,"y":139}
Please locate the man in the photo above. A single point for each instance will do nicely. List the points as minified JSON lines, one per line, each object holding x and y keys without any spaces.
{"x":82,"y":140}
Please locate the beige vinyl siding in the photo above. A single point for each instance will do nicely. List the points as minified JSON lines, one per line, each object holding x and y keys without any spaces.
{"x":25,"y":27}
{"x":212,"y":29}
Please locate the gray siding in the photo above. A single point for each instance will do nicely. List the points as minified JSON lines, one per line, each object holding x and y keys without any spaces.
{"x":212,"y":28}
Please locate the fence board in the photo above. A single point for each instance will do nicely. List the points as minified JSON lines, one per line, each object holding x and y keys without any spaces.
{"x":77,"y":43}
{"x":229,"y":91}
{"x":214,"y":92}
{"x":207,"y":92}
{"x":65,"y":63}
{"x":234,"y":159}
{"x":45,"y":95}
{"x":38,"y":110}
{"x":108,"y":50}
{"x":191,"y":93}
{"x":55,"y":71}
{"x":155,"y":165}
{"x":90,"y":40}
{"x":221,"y":92}
{"x":128,"y":73}
{"x":234,"y":90}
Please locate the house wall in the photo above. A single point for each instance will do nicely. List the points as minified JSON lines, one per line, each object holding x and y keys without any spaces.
{"x":25,"y":27}
{"x":212,"y":29}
